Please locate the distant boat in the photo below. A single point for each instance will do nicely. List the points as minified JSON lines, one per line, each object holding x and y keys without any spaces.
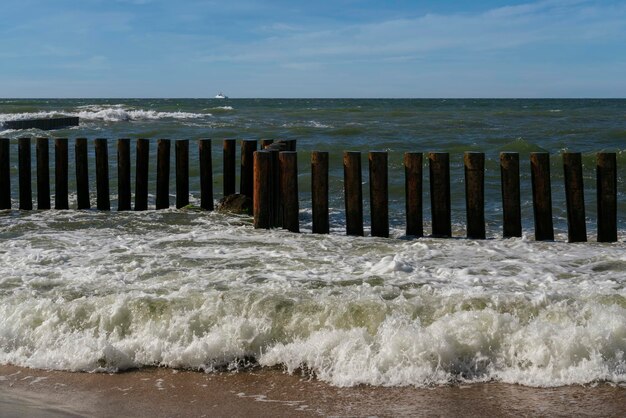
{"x":221,"y":95}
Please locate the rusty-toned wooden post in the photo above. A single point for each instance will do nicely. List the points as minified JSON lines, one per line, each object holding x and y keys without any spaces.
{"x":439,"y":167}
{"x":60,"y":174}
{"x":289,"y":190}
{"x":475,"y":194}
{"x":141,"y":174}
{"x":574,"y":197}
{"x":25,"y":179}
{"x":542,"y":195}
{"x":5,"y":174}
{"x":379,"y":193}
{"x":43,"y":174}
{"x":163,"y":174}
{"x":413,"y":163}
{"x":511,"y":203}
{"x":319,"y":191}
{"x":206,"y":174}
{"x":182,"y":173}
{"x":230,"y":173}
{"x":606,"y":181}
{"x":353,"y":192}
{"x":102,"y":174}
{"x":262,"y":162}
{"x":123,"y":174}
{"x":276,"y":198}
{"x":82,"y":174}
{"x":248,"y":147}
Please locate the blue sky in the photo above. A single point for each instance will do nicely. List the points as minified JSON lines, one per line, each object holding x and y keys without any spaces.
{"x":338,"y":48}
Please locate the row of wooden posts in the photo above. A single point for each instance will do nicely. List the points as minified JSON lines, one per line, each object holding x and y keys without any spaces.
{"x":269,"y":177}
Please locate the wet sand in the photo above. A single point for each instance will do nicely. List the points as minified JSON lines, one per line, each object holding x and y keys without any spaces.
{"x":161,"y":392}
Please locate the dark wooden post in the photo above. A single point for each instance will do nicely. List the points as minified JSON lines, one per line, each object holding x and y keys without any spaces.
{"x":574,"y":197}
{"x":82,"y":174}
{"x":475,"y":194}
{"x":511,"y":204}
{"x":43,"y":174}
{"x":5,"y":174}
{"x":25,"y":185}
{"x":289,"y":190}
{"x":123,"y":174}
{"x":353,"y":192}
{"x":102,"y":174}
{"x":262,"y":162}
{"x":206,"y":174}
{"x":379,"y":193}
{"x":266,"y":143}
{"x":319,"y":191}
{"x":163,"y":174}
{"x":542,"y":195}
{"x":248,"y":147}
{"x":182,"y":173}
{"x":229,"y":166}
{"x":141,"y":174}
{"x":290,"y":144}
{"x":60,"y":174}
{"x":439,"y":165}
{"x":413,"y":163}
{"x":276,"y":203}
{"x":606,"y":180}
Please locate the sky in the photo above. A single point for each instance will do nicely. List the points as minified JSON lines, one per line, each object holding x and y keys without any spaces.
{"x":315,"y":48}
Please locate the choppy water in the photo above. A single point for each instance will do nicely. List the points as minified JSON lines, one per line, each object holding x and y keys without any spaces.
{"x":85,"y":290}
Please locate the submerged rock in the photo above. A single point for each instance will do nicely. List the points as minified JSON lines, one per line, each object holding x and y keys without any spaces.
{"x":235,"y":203}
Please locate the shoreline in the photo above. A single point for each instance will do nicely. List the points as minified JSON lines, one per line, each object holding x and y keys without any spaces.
{"x":160,"y":392}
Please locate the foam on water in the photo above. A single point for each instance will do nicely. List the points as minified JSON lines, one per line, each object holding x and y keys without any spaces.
{"x":111,"y":291}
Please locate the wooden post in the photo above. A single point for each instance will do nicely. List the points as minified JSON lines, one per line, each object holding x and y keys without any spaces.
{"x":319,"y":191}
{"x":511,"y":204}
{"x":413,"y":163}
{"x":43,"y":174}
{"x":5,"y":174}
{"x":60,"y":174}
{"x":262,"y":162}
{"x":229,"y":166}
{"x":248,"y":147}
{"x":439,"y":165}
{"x":182,"y":173}
{"x":574,"y":197}
{"x":291,"y":144}
{"x":606,"y":180}
{"x":26,"y":192}
{"x":475,"y":194}
{"x":206,"y":174}
{"x":542,"y":195}
{"x":353,"y":192}
{"x":141,"y":174}
{"x":289,"y":190}
{"x":102,"y":174}
{"x":266,"y":143}
{"x":163,"y":174}
{"x":123,"y":174}
{"x":276,"y":203}
{"x":82,"y":174}
{"x":379,"y":194}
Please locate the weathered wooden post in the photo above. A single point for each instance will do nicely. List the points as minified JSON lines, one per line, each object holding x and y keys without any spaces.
{"x":123,"y":174}
{"x":266,"y":143}
{"x":542,"y":195}
{"x":43,"y":174}
{"x":61,"y":174}
{"x":276,"y":204}
{"x":413,"y":163}
{"x":182,"y":173}
{"x":606,"y":181}
{"x":102,"y":174}
{"x":289,"y":190}
{"x":248,"y":147}
{"x":353,"y":192}
{"x":379,"y":193}
{"x":290,"y":144}
{"x":5,"y":174}
{"x":511,"y":203}
{"x":439,"y":165}
{"x":319,"y":191}
{"x":82,"y":174}
{"x":163,"y":174}
{"x":574,"y":197}
{"x":475,"y":194}
{"x":229,"y":166}
{"x":206,"y":174}
{"x":141,"y":174}
{"x":262,"y":162}
{"x":25,"y":186}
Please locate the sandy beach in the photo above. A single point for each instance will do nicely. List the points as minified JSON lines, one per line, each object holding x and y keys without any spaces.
{"x":161,"y":392}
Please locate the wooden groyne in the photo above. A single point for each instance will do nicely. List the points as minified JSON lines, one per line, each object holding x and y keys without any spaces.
{"x":268,"y":176}
{"x":45,"y":124}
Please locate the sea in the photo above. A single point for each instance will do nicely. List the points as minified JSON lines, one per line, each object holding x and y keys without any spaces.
{"x":189,"y":289}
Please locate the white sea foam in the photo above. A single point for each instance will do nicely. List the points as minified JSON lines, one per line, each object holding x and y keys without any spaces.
{"x":98,"y":291}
